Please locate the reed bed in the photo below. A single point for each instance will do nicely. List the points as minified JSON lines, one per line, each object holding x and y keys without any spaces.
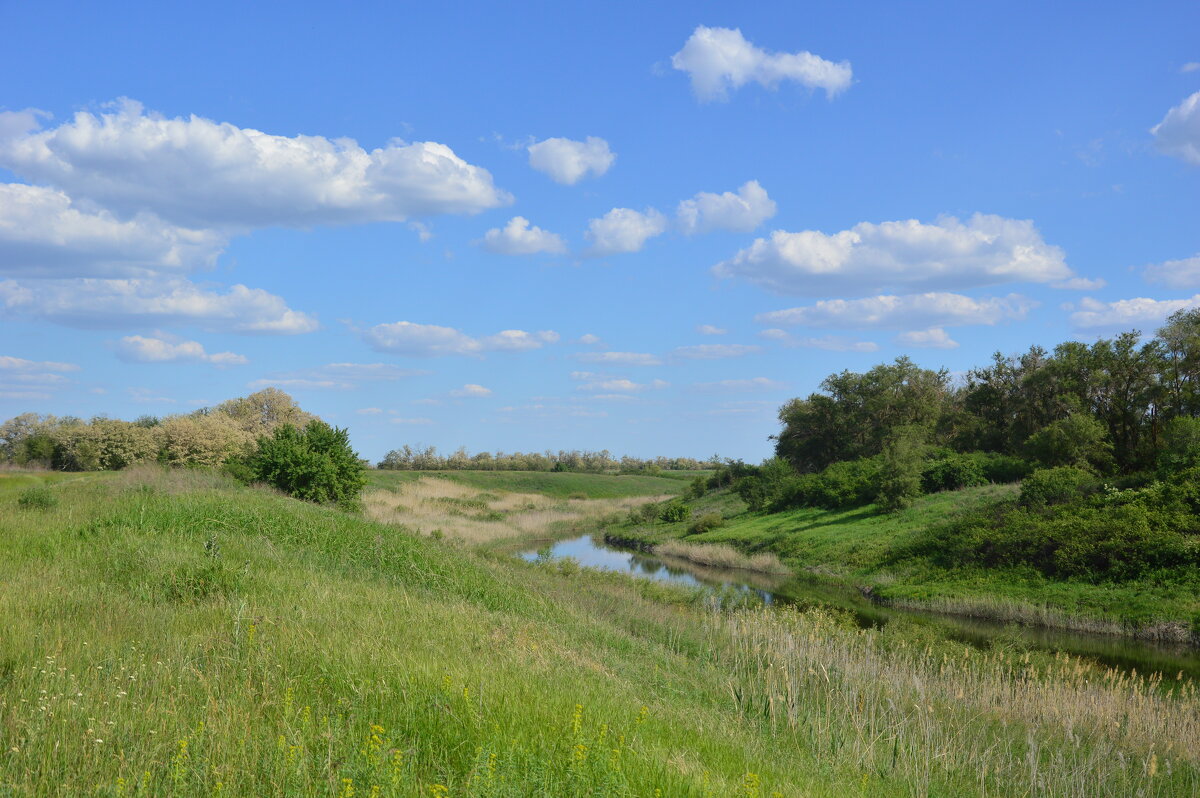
{"x":923,"y":713}
{"x":718,"y":555}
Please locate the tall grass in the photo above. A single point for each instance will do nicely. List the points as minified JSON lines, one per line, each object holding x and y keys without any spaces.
{"x":717,"y":555}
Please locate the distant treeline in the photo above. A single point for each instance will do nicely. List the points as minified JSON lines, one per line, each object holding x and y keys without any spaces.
{"x":407,"y":458}
{"x":206,"y":437}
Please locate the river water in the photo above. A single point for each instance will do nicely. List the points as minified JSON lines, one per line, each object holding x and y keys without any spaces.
{"x":1118,"y":652}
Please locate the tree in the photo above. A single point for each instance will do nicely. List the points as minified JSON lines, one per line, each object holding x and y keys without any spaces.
{"x":315,"y":464}
{"x":902,"y":462}
{"x":1078,"y":440}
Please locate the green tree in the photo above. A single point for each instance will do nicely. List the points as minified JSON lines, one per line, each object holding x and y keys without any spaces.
{"x":1078,"y":440}
{"x":315,"y":463}
{"x":901,"y":464}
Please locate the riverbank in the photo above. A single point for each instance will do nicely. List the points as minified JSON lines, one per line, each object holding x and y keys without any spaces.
{"x":864,"y":549}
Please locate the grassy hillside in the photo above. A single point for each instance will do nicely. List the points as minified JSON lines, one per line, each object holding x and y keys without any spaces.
{"x":561,"y":485}
{"x":173,"y":634}
{"x":865,"y":547}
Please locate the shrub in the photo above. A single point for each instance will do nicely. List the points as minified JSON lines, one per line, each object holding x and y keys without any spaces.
{"x":38,"y":497}
{"x":1078,"y":440}
{"x":706,"y":523}
{"x":952,"y":472}
{"x":1056,"y":485}
{"x":674,"y":511}
{"x":315,"y":464}
{"x":1001,"y":468}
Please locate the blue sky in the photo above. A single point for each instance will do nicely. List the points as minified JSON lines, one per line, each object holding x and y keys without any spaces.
{"x":640,"y":228}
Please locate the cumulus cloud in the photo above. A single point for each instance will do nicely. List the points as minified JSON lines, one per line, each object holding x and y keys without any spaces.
{"x":97,"y":303}
{"x":720,"y":59}
{"x":1181,"y":274}
{"x":1178,"y":134}
{"x":1124,"y":314}
{"x":43,"y":234}
{"x":200,"y":173}
{"x":984,"y":250}
{"x":431,"y":340}
{"x":1081,"y":284}
{"x":471,"y":390}
{"x":714,"y":351}
{"x":740,"y":212}
{"x":831,"y":343}
{"x":163,"y":348}
{"x":589,"y":340}
{"x":623,"y":230}
{"x":620,"y":358}
{"x":937,"y":309}
{"x":933,"y":338}
{"x":567,"y":161}
{"x":710,"y":329}
{"x":519,"y":238}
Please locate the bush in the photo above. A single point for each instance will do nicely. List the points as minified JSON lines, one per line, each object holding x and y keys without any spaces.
{"x":706,"y":523}
{"x":1056,"y":485}
{"x":39,"y":497}
{"x":952,"y":472}
{"x":674,"y":511}
{"x":1001,"y":468}
{"x":315,"y":464}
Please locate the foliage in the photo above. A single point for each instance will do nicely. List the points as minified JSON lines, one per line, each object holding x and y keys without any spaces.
{"x":1055,"y":485}
{"x":900,"y":468}
{"x":706,"y":523}
{"x":315,"y":464}
{"x":674,"y":511}
{"x":951,"y":471}
{"x":1077,"y":440}
{"x":407,"y":458}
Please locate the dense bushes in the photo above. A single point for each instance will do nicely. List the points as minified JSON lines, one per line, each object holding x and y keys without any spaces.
{"x":315,"y":463}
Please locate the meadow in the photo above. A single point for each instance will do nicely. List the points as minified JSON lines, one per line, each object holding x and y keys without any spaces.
{"x":174,"y":633}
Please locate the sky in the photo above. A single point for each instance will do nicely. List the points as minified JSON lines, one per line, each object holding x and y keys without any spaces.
{"x":629,"y":226}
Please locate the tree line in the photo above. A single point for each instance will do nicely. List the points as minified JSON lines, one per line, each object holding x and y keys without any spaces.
{"x":427,"y":458}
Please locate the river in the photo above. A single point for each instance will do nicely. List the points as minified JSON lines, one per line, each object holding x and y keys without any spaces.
{"x":1118,"y":652}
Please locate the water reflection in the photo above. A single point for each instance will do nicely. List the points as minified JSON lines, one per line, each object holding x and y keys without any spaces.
{"x":1117,"y":652}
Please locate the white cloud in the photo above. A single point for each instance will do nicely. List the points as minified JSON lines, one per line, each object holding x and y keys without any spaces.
{"x":1181,"y":274}
{"x":1081,"y":284}
{"x":740,"y":212}
{"x":431,"y":340}
{"x":933,"y":338}
{"x":567,"y":161}
{"x":831,"y":343}
{"x":115,"y":303}
{"x":299,"y":383}
{"x":1190,"y":66}
{"x":589,"y":339}
{"x":985,"y":250}
{"x":621,"y":385}
{"x":32,"y":379}
{"x":43,"y":234}
{"x":720,"y":59}
{"x":1124,"y":314}
{"x":471,"y":390}
{"x":519,"y":238}
{"x":714,"y":351}
{"x":709,"y":329}
{"x":162,"y":348}
{"x":903,"y":312}
{"x":620,"y":358}
{"x":340,"y":376}
{"x":411,"y":420}
{"x":623,"y":230}
{"x":369,"y":411}
{"x":1179,"y":132}
{"x":752,"y":384}
{"x":9,"y":363}
{"x":200,"y":173}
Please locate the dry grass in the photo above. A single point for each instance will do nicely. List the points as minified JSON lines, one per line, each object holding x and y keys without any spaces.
{"x":464,"y":513}
{"x":717,"y":555}
{"x":890,"y":703}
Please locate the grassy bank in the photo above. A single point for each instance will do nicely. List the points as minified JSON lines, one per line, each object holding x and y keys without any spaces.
{"x":559,"y":485}
{"x":863,"y":547}
{"x":172,"y":634}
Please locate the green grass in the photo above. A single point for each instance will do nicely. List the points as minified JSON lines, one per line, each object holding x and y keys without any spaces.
{"x":862,"y":546}
{"x":175,"y":634}
{"x":558,"y":485}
